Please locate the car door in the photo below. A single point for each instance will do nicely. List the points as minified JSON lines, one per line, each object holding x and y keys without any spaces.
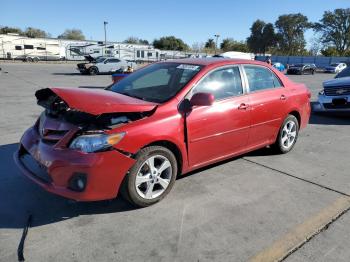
{"x":114,"y":64}
{"x":267,"y":104}
{"x":221,"y":129}
{"x":103,"y":66}
{"x":308,"y":69}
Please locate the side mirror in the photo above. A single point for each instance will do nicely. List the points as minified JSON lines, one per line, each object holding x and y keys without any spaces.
{"x":202,"y":99}
{"x":105,"y":62}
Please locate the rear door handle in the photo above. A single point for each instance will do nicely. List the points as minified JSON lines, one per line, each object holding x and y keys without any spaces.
{"x":283,"y":97}
{"x":242,"y":106}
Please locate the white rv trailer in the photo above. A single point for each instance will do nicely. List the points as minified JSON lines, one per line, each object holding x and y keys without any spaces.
{"x":14,"y":46}
{"x":78,"y":51}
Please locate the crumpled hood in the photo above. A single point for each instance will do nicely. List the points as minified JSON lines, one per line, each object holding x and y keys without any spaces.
{"x":97,"y":101}
{"x":343,"y":81}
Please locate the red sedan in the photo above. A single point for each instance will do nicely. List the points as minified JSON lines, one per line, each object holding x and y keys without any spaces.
{"x":161,"y":121}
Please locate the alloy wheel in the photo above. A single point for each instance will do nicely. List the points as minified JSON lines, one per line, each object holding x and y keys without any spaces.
{"x":289,"y":133}
{"x":153,"y":177}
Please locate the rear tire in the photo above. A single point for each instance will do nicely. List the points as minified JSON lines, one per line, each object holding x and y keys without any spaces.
{"x":151,"y":178}
{"x":287,"y":135}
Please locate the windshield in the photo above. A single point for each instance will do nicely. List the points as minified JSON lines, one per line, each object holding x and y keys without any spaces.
{"x":334,"y":65}
{"x":344,"y":73}
{"x":157,"y":82}
{"x":100,"y":60}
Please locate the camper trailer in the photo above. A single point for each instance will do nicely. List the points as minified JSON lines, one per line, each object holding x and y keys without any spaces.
{"x":137,"y":53}
{"x":14,"y":46}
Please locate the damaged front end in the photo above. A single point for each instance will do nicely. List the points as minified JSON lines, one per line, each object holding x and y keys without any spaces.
{"x":56,"y":108}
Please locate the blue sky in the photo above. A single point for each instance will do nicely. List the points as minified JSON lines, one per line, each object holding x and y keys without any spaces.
{"x":193,"y":21}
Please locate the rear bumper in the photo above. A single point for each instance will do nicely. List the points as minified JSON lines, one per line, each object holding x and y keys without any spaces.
{"x":104,"y":171}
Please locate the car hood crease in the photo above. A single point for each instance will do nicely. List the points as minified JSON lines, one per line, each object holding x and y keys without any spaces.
{"x":97,"y":101}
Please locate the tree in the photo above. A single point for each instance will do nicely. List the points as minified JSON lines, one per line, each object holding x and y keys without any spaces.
{"x":14,"y":30}
{"x":290,"y":36}
{"x":136,"y":41}
{"x":262,"y":37}
{"x":170,"y":43}
{"x":35,"y":33}
{"x":72,"y":34}
{"x":198,"y":47}
{"x":335,"y":29}
{"x":230,"y":44}
{"x":143,"y":42}
{"x":210,"y":44}
{"x":330,"y":51}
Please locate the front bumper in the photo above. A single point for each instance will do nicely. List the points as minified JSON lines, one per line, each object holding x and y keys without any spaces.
{"x":104,"y":171}
{"x":325,"y":104}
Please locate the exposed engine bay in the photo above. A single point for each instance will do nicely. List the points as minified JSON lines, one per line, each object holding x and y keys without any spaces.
{"x":57,"y":108}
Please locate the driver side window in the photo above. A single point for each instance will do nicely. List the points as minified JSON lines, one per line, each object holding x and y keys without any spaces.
{"x":221,"y":83}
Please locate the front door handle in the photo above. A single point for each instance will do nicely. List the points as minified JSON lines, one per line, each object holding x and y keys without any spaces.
{"x":283,"y":97}
{"x":243,"y":106}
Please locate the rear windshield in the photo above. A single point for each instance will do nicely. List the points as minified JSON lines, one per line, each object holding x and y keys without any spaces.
{"x":157,"y":82}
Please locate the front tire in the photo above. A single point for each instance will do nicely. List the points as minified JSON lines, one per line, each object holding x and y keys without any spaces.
{"x":287,"y":135}
{"x":151,"y":178}
{"x":93,"y":71}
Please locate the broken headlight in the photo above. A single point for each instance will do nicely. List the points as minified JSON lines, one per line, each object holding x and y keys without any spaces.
{"x":95,"y":142}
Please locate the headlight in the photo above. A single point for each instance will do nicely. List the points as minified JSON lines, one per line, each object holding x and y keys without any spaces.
{"x":321,"y":92}
{"x":96,"y":142}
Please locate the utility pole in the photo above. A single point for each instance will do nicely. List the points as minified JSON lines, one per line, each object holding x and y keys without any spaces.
{"x":216,"y":41}
{"x":104,"y":24}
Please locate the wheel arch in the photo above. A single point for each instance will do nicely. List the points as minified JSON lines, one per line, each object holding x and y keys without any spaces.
{"x":173,"y":148}
{"x":297,"y":116}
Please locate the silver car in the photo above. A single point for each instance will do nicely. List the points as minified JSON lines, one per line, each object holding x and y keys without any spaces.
{"x":335,"y":96}
{"x":104,"y":65}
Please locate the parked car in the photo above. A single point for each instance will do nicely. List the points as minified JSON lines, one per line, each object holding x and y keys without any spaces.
{"x":335,"y":68}
{"x":279,"y":66}
{"x":103,"y":65}
{"x":301,"y":69}
{"x":343,"y":73}
{"x":159,"y":122}
{"x":335,"y":95}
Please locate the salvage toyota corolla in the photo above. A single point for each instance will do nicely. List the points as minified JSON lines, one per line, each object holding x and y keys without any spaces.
{"x":162,"y":121}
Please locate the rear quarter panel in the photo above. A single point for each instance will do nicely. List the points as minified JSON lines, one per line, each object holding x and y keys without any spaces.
{"x":299,"y":101}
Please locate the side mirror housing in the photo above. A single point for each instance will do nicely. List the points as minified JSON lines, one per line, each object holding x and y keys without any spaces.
{"x":202,"y":99}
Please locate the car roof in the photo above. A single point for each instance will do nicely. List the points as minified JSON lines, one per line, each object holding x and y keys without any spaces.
{"x":214,"y":61}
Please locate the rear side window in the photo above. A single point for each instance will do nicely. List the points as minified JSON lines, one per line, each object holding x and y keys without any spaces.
{"x":221,"y":83}
{"x":113,"y":61}
{"x":260,"y":78}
